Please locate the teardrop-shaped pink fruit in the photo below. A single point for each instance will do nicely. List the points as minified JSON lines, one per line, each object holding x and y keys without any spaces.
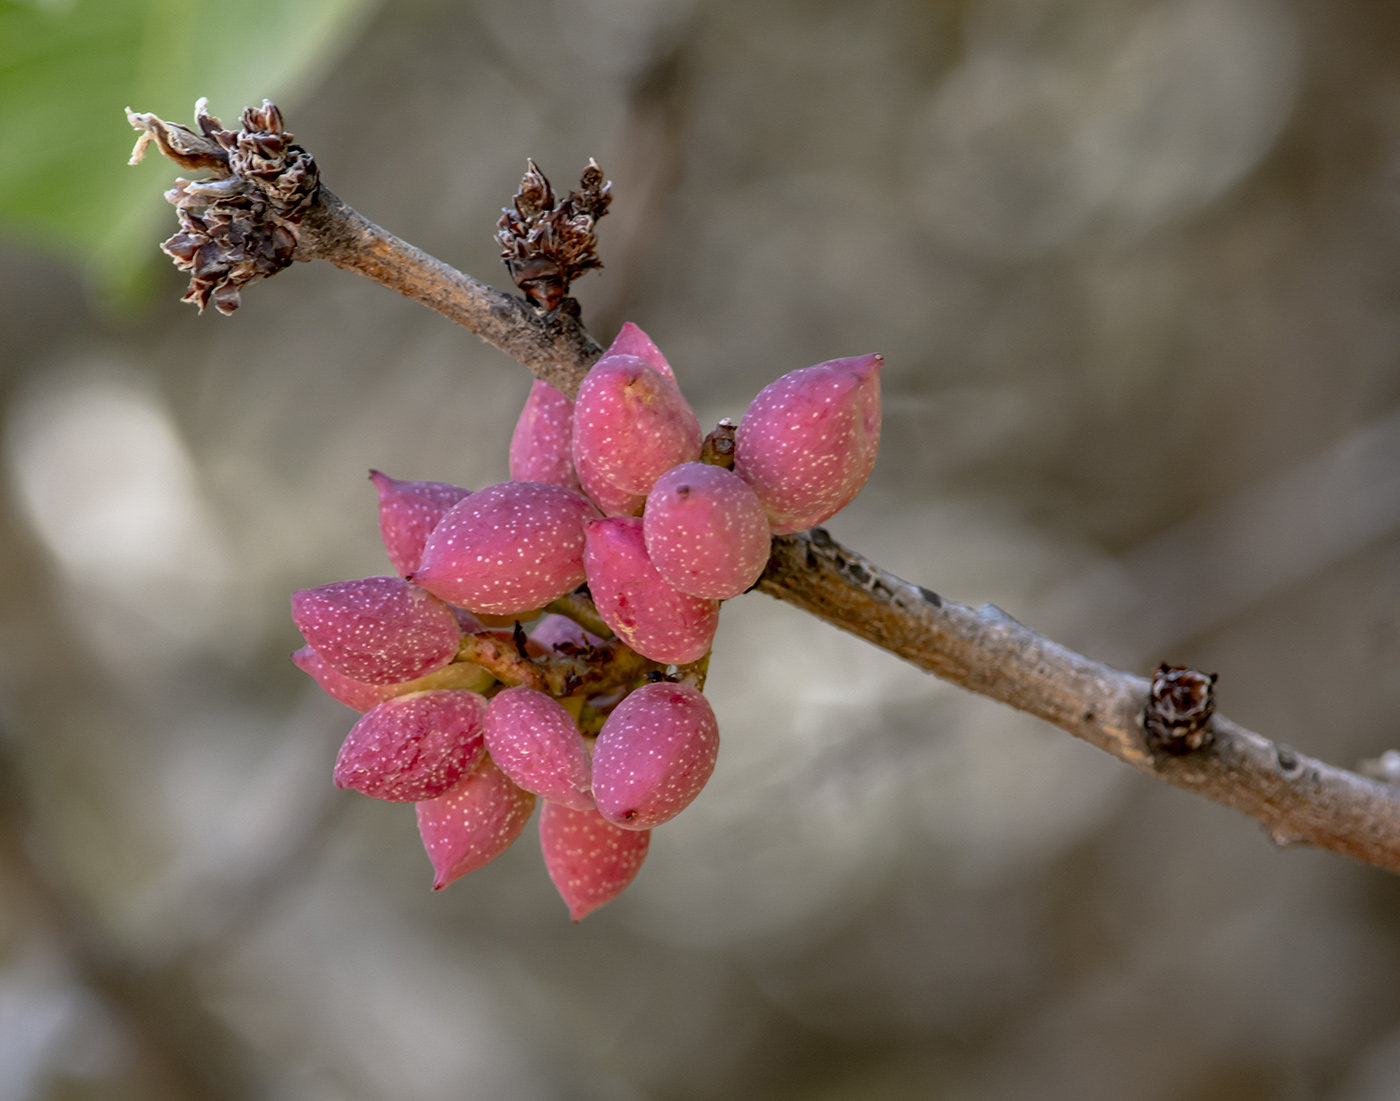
{"x":631,"y":424}
{"x":473,"y":823}
{"x":365,"y":697}
{"x":706,"y":531}
{"x":610,"y":500}
{"x":648,"y":613}
{"x":414,"y":747}
{"x":807,"y":443}
{"x":408,"y":512}
{"x":540,"y":446}
{"x":508,"y":548}
{"x":535,"y":742}
{"x":653,"y":755}
{"x":352,"y":693}
{"x":379,"y":630}
{"x":590,"y":860}
{"x":631,"y":341}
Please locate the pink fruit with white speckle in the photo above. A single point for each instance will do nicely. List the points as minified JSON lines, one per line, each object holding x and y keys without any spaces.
{"x":590,"y":860}
{"x":352,"y":693}
{"x":645,"y":610}
{"x":408,"y":512}
{"x":508,"y":548}
{"x":631,"y":341}
{"x":535,"y":742}
{"x":473,"y":823}
{"x":365,"y":697}
{"x":414,"y":747}
{"x":654,"y":754}
{"x":540,"y":445}
{"x":631,"y":424}
{"x":706,"y":531}
{"x":610,"y":500}
{"x":380,"y":630}
{"x":808,"y":441}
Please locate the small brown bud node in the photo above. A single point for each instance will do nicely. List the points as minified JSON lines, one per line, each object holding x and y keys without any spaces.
{"x":1179,"y":706}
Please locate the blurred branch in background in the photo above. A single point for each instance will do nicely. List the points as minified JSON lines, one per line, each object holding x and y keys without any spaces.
{"x":1200,"y":573}
{"x":1296,"y":798}
{"x":653,"y":151}
{"x":183,"y":1050}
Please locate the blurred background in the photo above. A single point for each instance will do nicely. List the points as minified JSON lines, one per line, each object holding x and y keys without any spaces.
{"x":1132,"y":264}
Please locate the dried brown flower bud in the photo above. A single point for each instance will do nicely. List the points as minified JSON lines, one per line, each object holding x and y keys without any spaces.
{"x":196,"y":152}
{"x":1179,"y":707}
{"x":547,"y":244}
{"x":241,"y":224}
{"x":718,"y":448}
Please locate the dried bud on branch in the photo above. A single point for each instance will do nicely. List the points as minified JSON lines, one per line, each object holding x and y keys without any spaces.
{"x":241,"y":224}
{"x":1177,"y":718}
{"x":547,"y":244}
{"x":718,"y":448}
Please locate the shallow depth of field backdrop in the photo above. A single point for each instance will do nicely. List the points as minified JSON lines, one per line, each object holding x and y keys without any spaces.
{"x":1133,"y":266}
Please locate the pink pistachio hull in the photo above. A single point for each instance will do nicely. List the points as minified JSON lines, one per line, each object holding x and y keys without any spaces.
{"x":631,"y":424}
{"x":540,"y":446}
{"x":408,"y":512}
{"x":808,"y":441}
{"x":706,"y":531}
{"x":473,"y":823}
{"x":508,"y":548}
{"x":379,"y":630}
{"x":648,"y":613}
{"x":535,"y":742}
{"x":654,"y":754}
{"x":414,"y":747}
{"x":590,"y":860}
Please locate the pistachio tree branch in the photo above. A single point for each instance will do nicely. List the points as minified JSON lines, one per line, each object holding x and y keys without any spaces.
{"x":554,"y":345}
{"x":263,"y":205}
{"x":1296,"y":798}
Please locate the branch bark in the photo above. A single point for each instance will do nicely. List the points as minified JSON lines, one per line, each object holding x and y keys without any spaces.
{"x":1296,"y":798}
{"x":554,"y":346}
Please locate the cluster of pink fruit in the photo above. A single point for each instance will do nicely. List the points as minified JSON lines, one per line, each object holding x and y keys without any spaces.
{"x":609,"y":503}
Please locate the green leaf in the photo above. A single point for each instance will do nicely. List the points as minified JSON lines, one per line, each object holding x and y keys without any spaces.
{"x":68,"y":68}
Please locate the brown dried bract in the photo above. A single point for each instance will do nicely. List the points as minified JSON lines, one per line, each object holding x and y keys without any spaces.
{"x":1179,"y":707}
{"x":718,"y":448}
{"x":240,"y":224}
{"x":547,"y":244}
